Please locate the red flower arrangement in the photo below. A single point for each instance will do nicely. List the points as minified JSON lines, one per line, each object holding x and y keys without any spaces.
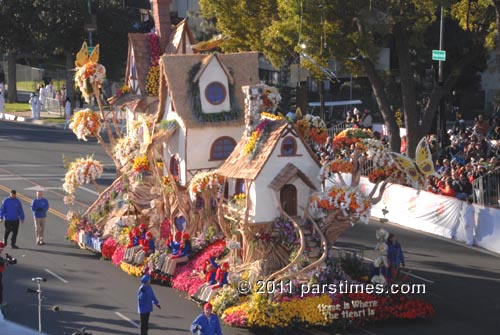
{"x":154,"y":48}
{"x":108,"y":248}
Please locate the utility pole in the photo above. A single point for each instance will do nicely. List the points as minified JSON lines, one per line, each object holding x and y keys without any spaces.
{"x":441,"y":122}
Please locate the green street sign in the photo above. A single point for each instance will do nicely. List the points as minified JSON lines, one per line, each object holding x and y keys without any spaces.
{"x":439,"y":55}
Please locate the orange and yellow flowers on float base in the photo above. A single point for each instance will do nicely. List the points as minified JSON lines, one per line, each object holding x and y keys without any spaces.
{"x":81,"y":171}
{"x":85,"y":123}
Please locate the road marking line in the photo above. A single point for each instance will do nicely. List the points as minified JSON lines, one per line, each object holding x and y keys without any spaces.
{"x":88,"y":190}
{"x":135,"y":324}
{"x":57,"y":276}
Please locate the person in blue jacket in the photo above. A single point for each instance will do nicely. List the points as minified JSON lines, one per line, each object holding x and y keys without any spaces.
{"x":206,"y":323}
{"x":145,"y":300}
{"x":394,"y":255}
{"x":12,"y":214}
{"x":181,"y":257}
{"x":39,"y":207}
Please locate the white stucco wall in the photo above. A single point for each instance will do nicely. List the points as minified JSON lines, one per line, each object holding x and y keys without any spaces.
{"x":265,"y":200}
{"x":213,"y":72}
{"x":176,"y":146}
{"x":200,"y":141}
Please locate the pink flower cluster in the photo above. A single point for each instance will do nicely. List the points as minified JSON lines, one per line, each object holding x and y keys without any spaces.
{"x":118,"y":255}
{"x":237,"y":319}
{"x":108,"y":248}
{"x":187,"y":278}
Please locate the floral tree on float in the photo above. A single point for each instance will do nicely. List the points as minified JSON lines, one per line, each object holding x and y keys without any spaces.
{"x":89,"y":77}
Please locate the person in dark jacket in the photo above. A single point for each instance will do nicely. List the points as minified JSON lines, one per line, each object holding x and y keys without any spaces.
{"x":206,"y":323}
{"x":394,"y":255}
{"x":145,"y":300}
{"x":39,"y":207}
{"x":12,"y":214}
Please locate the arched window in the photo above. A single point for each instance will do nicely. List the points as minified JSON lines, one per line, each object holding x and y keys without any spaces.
{"x":215,"y":93}
{"x":222,"y":148}
{"x":175,"y":168}
{"x":288,"y":146}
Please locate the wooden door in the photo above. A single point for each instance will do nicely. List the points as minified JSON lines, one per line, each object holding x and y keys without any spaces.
{"x":288,"y":199}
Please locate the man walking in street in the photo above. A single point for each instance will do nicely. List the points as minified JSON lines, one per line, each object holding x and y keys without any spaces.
{"x":145,"y":300}
{"x":12,"y":214}
{"x":39,"y":206}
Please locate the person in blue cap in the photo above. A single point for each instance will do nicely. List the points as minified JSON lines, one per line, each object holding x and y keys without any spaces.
{"x":145,"y":300}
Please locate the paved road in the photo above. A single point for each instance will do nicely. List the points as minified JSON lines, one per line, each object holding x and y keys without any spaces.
{"x":462,"y":282}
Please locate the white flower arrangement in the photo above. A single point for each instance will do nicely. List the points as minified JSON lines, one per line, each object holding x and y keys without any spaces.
{"x":85,"y":123}
{"x":205,"y":181}
{"x":82,"y":171}
{"x":125,"y":149}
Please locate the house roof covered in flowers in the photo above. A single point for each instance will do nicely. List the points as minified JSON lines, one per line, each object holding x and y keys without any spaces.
{"x":138,"y":45}
{"x":175,"y":80}
{"x":237,"y":165}
{"x":179,"y":36}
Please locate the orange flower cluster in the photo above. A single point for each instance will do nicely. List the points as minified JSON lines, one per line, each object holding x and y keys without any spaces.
{"x":340,"y":166}
{"x":350,"y":136}
{"x":337,"y":198}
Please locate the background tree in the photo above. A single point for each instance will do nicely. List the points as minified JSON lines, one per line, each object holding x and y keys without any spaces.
{"x":353,"y":33}
{"x":20,"y":27}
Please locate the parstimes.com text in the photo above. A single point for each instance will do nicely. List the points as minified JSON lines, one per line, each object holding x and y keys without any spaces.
{"x":342,"y":287}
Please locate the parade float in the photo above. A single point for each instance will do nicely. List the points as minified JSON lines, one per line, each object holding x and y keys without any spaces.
{"x":270,"y":209}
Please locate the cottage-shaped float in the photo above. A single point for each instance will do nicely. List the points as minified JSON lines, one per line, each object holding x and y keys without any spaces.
{"x":282,"y":173}
{"x":202,"y":93}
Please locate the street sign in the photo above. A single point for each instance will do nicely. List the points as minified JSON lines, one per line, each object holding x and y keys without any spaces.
{"x":439,"y":55}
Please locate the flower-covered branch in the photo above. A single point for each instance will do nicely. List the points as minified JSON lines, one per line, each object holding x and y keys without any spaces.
{"x":81,"y":171}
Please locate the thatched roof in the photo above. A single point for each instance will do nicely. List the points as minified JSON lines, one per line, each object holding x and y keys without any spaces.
{"x":177,"y":42}
{"x":138,"y":44}
{"x":175,"y":81}
{"x":287,"y":173}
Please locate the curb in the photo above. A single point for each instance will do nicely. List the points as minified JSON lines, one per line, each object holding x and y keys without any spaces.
{"x":16,"y":118}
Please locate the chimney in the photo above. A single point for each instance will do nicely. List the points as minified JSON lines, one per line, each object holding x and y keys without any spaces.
{"x":161,"y":16}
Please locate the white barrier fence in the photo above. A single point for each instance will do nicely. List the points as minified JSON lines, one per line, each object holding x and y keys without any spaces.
{"x":435,"y":214}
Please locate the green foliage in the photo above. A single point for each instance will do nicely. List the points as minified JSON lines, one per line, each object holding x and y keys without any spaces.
{"x":200,"y":116}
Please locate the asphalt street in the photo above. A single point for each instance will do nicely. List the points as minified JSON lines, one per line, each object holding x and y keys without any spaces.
{"x":461,"y":282}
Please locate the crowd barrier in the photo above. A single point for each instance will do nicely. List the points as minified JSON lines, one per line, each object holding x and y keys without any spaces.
{"x":435,"y":214}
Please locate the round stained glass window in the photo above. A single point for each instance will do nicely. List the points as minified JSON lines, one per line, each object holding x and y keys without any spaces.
{"x":215,"y":93}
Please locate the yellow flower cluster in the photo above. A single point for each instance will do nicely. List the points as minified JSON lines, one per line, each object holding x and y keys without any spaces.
{"x":141,"y":164}
{"x":399,"y":117}
{"x":153,"y":81}
{"x":132,"y":269}
{"x":251,"y":142}
{"x":264,"y":312}
{"x":270,"y":116}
